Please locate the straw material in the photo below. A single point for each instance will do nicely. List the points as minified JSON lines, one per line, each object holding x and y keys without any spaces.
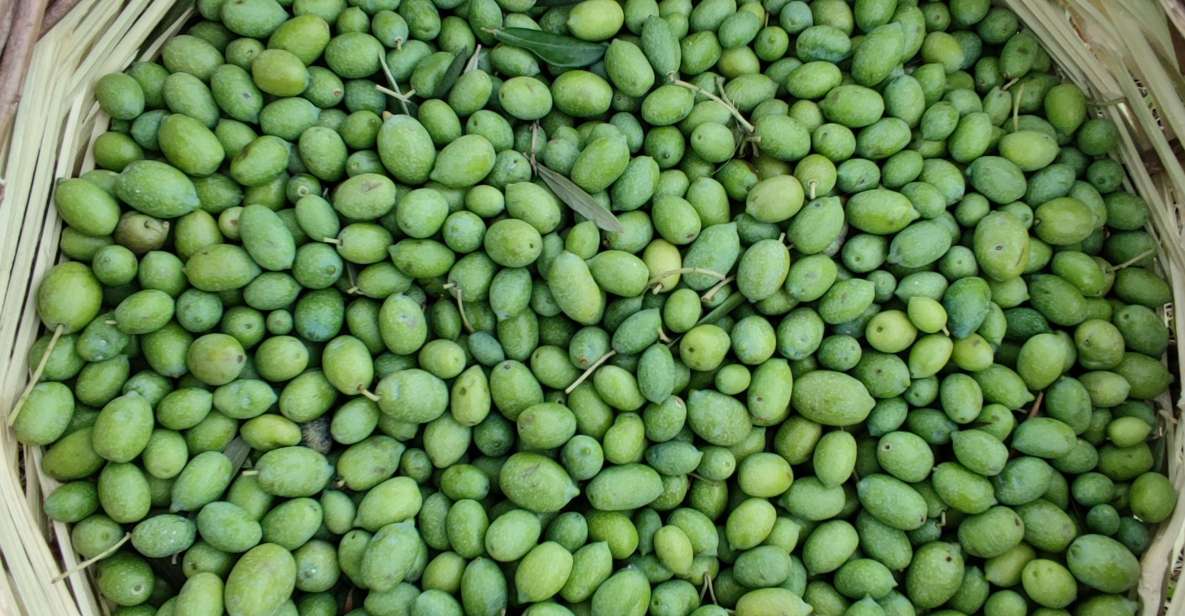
{"x":1120,"y":52}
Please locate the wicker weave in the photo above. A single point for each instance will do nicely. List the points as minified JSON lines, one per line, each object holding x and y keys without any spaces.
{"x":1119,"y":51}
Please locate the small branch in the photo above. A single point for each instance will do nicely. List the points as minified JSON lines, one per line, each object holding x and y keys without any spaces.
{"x":584,"y":375}
{"x":92,"y":560}
{"x":451,"y":287}
{"x":403,"y":98}
{"x":710,"y":293}
{"x":1134,"y":260}
{"x":736,"y":113}
{"x":399,"y":96}
{"x":36,"y":376}
{"x":1020,"y":92}
{"x":685,"y":270}
{"x":1037,"y":405}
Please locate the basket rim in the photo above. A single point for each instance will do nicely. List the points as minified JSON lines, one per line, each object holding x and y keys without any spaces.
{"x":1095,"y":42}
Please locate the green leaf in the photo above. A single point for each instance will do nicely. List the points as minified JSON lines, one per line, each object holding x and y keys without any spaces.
{"x":554,"y":49}
{"x":728,"y":305}
{"x":580,"y":201}
{"x":450,"y":77}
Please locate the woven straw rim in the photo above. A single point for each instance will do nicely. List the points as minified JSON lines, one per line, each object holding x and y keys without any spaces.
{"x":1120,"y":53}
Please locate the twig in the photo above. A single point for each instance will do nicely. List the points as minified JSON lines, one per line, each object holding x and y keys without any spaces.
{"x":1020,"y":92}
{"x":92,"y":560}
{"x":710,"y":293}
{"x":1134,"y":260}
{"x":1037,"y":405}
{"x":736,"y":113}
{"x":685,"y":270}
{"x":450,"y":287}
{"x":584,"y":375}
{"x":403,"y":98}
{"x":36,"y":376}
{"x":394,"y":85}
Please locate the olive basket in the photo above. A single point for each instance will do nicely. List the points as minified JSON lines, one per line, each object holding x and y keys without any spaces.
{"x":1121,"y":52}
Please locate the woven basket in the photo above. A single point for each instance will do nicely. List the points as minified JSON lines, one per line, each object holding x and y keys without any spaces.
{"x":1121,"y":52}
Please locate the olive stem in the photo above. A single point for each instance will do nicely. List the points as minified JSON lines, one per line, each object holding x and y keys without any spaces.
{"x":399,"y":96}
{"x":710,"y":293}
{"x":250,"y":473}
{"x":1037,"y":405}
{"x":373,"y":397}
{"x":450,"y":287}
{"x":736,"y":113}
{"x":686,"y":270}
{"x":708,"y":587}
{"x":92,"y":560}
{"x":584,"y":375}
{"x":811,"y":186}
{"x":663,"y":335}
{"x":1134,"y":260}
{"x":331,"y":240}
{"x":1010,"y":83}
{"x":36,"y":376}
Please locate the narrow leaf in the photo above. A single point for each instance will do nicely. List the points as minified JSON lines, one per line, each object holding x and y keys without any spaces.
{"x":580,"y":201}
{"x":554,"y":49}
{"x":450,"y":76}
{"x":725,"y":307}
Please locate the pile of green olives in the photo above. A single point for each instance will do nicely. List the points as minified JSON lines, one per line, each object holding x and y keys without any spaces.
{"x":606,"y":307}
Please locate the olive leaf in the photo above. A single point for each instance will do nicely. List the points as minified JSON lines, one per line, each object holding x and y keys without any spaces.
{"x":725,"y":307}
{"x":449,"y":77}
{"x":580,"y":201}
{"x":554,"y":49}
